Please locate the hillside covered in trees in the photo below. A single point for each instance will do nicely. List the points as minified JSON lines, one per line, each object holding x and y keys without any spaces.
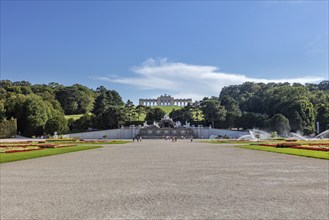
{"x":41,"y":109}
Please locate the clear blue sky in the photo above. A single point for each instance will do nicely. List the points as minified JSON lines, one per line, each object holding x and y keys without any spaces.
{"x":143,"y":49}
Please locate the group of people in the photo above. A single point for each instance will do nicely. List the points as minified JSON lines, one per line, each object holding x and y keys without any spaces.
{"x":174,"y":138}
{"x":137,"y":138}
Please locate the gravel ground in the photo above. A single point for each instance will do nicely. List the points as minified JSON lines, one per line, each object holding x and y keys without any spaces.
{"x":159,"y":179}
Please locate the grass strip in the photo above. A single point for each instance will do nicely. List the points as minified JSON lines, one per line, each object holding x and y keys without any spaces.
{"x":105,"y":142}
{"x":291,"y":151}
{"x":9,"y":157}
{"x":227,"y":142}
{"x":74,"y":117}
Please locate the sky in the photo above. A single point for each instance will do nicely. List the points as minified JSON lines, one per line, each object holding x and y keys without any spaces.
{"x":142,"y":49}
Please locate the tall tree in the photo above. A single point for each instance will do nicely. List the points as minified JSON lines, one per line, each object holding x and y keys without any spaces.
{"x":323,"y":116}
{"x":140,"y":109}
{"x":182,"y":115}
{"x":106,"y":98}
{"x":113,"y":117}
{"x":2,"y":111}
{"x":154,"y":114}
{"x":76,"y":99}
{"x":213,"y":112}
{"x":232,"y":108}
{"x":56,"y":124}
{"x":130,"y":108}
{"x":280,"y":124}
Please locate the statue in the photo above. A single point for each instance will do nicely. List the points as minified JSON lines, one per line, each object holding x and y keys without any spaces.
{"x":155,"y":124}
{"x":145,"y":125}
{"x":166,"y":117}
{"x":178,"y":124}
{"x":187,"y":124}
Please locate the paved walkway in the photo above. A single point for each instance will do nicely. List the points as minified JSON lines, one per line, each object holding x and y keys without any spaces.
{"x":165,"y":180}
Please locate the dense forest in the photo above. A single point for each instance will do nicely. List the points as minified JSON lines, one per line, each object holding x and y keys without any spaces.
{"x":41,"y":109}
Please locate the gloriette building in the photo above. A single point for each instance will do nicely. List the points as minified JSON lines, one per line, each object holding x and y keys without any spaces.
{"x":165,"y":100}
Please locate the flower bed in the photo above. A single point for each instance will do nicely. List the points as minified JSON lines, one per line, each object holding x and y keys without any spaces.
{"x":300,"y":145}
{"x":14,"y":145}
{"x":287,"y":144}
{"x":319,"y":148}
{"x":18,"y":149}
{"x":13,"y":148}
{"x":55,"y":145}
{"x":97,"y":141}
{"x":62,"y":140}
{"x":47,"y":145}
{"x":269,"y":145}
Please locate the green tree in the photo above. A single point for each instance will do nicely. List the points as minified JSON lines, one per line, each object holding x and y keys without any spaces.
{"x":76,"y":99}
{"x":213,"y":112}
{"x":113,"y":117}
{"x":35,"y":115}
{"x":306,"y":112}
{"x":323,"y":116}
{"x":83,"y":123}
{"x":249,"y":120}
{"x":232,"y":108}
{"x":280,"y":124}
{"x":106,"y":98}
{"x":182,"y":115}
{"x":140,"y":109}
{"x":296,"y":122}
{"x":56,"y":124}
{"x":324,"y":85}
{"x":15,"y":108}
{"x":131,"y":113}
{"x":2,"y":111}
{"x":154,"y":114}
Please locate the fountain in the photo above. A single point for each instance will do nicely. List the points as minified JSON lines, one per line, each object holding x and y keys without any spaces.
{"x":165,"y":127}
{"x":259,"y":135}
{"x":298,"y":136}
{"x":323,"y":135}
{"x":255,"y":135}
{"x":246,"y":137}
{"x":212,"y":137}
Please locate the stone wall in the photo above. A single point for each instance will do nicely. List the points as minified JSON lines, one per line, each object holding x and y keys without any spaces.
{"x":130,"y":132}
{"x":158,"y":133}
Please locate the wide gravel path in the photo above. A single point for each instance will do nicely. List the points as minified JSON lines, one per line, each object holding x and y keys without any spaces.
{"x":165,"y":180}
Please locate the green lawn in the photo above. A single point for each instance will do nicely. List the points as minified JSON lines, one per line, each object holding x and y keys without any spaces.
{"x":9,"y":157}
{"x":297,"y":152}
{"x":222,"y":141}
{"x":168,"y":109}
{"x":75,"y":117}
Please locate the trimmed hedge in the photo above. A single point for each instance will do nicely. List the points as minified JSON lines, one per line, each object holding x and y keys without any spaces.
{"x":8,"y":128}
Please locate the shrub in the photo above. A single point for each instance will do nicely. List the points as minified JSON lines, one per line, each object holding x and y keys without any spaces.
{"x":8,"y":128}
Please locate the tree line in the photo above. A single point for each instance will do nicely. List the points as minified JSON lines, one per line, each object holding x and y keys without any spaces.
{"x":41,"y":108}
